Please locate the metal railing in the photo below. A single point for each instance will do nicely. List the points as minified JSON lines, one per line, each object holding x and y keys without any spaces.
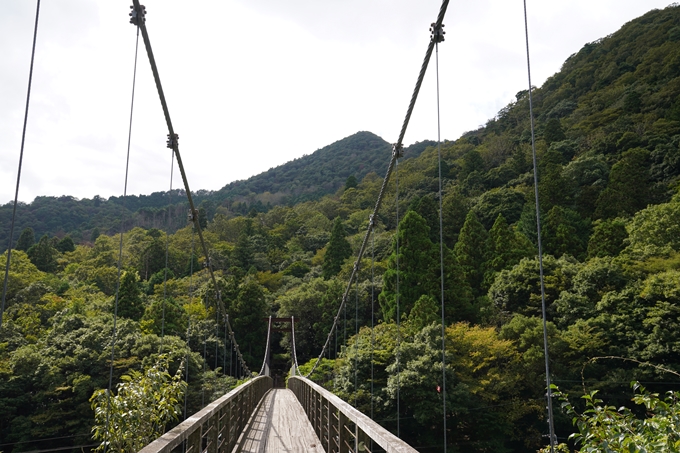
{"x":217,"y":427}
{"x":340,"y":427}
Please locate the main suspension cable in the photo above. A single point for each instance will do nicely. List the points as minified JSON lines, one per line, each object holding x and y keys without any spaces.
{"x":551,"y":426}
{"x":138,"y":18}
{"x":21,"y":159}
{"x":397,"y":150}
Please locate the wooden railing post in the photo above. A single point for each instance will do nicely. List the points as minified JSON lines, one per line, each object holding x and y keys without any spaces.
{"x":212,"y":434}
{"x":343,"y":435}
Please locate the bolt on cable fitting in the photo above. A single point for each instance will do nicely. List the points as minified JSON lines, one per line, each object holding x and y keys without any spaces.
{"x":397,"y":150}
{"x":137,"y":14}
{"x":172,"y":141}
{"x":437,"y":33}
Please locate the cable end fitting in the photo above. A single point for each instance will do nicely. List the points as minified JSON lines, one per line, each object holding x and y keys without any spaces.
{"x":437,"y":33}
{"x":173,"y":141}
{"x":397,"y":150}
{"x":138,"y":15}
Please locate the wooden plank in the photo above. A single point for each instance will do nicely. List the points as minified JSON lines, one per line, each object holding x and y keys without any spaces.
{"x":280,"y":425}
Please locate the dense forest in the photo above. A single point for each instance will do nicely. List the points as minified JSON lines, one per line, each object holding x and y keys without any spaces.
{"x":308,"y":178}
{"x":608,"y":144}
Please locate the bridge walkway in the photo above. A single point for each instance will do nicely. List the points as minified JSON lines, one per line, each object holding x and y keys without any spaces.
{"x":280,"y":425}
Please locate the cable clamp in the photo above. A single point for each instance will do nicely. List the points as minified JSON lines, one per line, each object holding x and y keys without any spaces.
{"x":172,"y":141}
{"x":371,"y":221}
{"x":437,"y":33}
{"x":192,"y":215}
{"x":397,"y":150}
{"x":137,"y":14}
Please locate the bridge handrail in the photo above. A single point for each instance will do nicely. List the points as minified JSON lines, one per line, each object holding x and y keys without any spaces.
{"x":220,"y":422}
{"x":323,"y":406}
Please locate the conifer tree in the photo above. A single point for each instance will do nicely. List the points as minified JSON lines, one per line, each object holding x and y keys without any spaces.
{"x":130,"y":304}
{"x":506,"y":248}
{"x":471,"y":253}
{"x":26,"y":239}
{"x":337,"y":250}
{"x":429,"y":210}
{"x":417,"y":268}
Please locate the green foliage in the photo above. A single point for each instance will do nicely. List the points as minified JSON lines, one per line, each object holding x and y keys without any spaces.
{"x":130,"y":304}
{"x":608,"y":238}
{"x":608,"y":148}
{"x":629,"y":186}
{"x":414,"y":274}
{"x":565,"y":232}
{"x":144,"y":404}
{"x":164,"y":317}
{"x":66,"y":245}
{"x":605,"y":428}
{"x":337,"y":250}
{"x":43,"y":255}
{"x":472,"y":253}
{"x":26,"y":239}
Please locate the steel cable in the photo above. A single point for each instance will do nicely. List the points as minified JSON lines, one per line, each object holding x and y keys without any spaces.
{"x":441,"y":240}
{"x":120,"y":247}
{"x":396,"y":153}
{"x":173,"y":143}
{"x":21,"y":159}
{"x":551,"y":426}
{"x":266,"y":351}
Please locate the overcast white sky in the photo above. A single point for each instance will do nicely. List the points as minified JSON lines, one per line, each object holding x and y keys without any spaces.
{"x":252,"y":84}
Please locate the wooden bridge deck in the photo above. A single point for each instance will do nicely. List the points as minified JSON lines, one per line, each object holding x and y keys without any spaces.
{"x":280,"y":426}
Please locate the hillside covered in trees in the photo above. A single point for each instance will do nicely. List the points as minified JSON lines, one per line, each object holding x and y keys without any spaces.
{"x":608,"y":143}
{"x":308,"y":178}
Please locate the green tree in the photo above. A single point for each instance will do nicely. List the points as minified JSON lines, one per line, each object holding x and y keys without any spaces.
{"x":337,"y":250}
{"x":243,"y":252}
{"x":508,"y":202}
{"x":506,"y":248}
{"x":471,"y":253}
{"x":424,"y":312}
{"x":144,"y":405}
{"x":428,"y":209}
{"x":351,"y":182}
{"x":26,"y":239}
{"x":565,"y":232}
{"x":44,"y":255}
{"x":608,"y":238}
{"x":455,"y":207}
{"x":553,"y":131}
{"x":629,"y":188}
{"x":518,"y":290}
{"x":248,"y":315}
{"x":130,"y":304}
{"x":165,"y":317}
{"x":66,"y":245}
{"x":415,"y":270}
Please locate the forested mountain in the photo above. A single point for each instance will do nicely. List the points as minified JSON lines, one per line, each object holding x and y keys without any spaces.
{"x":308,"y":178}
{"x":608,"y":143}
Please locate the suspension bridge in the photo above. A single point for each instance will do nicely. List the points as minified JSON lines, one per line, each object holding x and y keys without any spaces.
{"x":260,"y":415}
